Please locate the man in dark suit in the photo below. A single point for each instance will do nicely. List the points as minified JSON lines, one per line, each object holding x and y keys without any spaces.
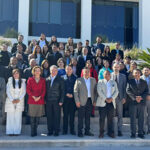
{"x":117,"y":51}
{"x":54,"y":56}
{"x":121,"y":98}
{"x":2,"y":99}
{"x":69,"y":106}
{"x":137,"y":90}
{"x":20,"y":41}
{"x":81,"y":60}
{"x":54,"y":100}
{"x":97,"y":45}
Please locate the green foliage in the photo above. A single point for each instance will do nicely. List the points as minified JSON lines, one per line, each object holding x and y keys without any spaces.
{"x":134,"y":53}
{"x":3,"y":41}
{"x":145,"y":57}
{"x":11,"y":33}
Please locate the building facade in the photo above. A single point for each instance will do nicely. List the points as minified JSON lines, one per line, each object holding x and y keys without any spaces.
{"x":125,"y":21}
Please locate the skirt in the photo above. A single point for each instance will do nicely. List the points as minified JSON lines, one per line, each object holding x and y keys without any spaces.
{"x":36,"y":110}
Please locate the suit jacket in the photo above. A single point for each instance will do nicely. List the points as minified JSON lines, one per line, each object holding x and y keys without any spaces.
{"x":56,"y":91}
{"x":96,"y":46}
{"x":2,"y":89}
{"x":102,"y":92}
{"x":81,"y":92}
{"x":134,"y":90}
{"x":53,"y":59}
{"x":113,"y":54}
{"x":144,"y":78}
{"x":122,"y":83}
{"x":81,"y":63}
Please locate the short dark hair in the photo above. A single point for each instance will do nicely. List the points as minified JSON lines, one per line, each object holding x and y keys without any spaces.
{"x":55,"y":45}
{"x":137,"y":70}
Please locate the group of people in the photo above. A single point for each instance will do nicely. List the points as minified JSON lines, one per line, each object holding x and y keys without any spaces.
{"x":45,"y":77}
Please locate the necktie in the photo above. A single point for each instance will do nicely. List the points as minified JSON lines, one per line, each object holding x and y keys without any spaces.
{"x":116,"y":79}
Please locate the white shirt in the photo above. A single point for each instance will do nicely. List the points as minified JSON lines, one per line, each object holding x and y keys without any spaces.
{"x":38,"y":59}
{"x":88,"y":86}
{"x":108,"y":85}
{"x":42,"y":43}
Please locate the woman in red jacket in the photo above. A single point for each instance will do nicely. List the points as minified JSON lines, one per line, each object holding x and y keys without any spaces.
{"x":93,"y":74}
{"x":36,"y":90}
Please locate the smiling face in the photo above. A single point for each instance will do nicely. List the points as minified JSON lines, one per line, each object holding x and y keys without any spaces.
{"x":136,"y":74}
{"x":69,"y":70}
{"x":107,"y":75}
{"x":53,"y":71}
{"x":86,"y":73}
{"x":37,"y":72}
{"x":16,"y":75}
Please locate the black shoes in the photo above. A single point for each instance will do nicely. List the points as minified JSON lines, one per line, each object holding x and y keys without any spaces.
{"x":72,"y":132}
{"x":89,"y":134}
{"x":80,"y":135}
{"x":112,"y":135}
{"x":133,"y":136}
{"x":120,"y":133}
{"x":50,"y":134}
{"x":101,"y":135}
{"x":141,"y":136}
{"x":56,"y":134}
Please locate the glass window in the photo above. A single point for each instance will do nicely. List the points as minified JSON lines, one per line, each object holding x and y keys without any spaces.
{"x":61,"y":18}
{"x":8,"y":15}
{"x":111,"y":19}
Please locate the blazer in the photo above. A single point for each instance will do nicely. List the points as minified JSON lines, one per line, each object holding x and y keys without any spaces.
{"x":102,"y":92}
{"x":81,"y":63}
{"x":56,"y":91}
{"x":144,"y":78}
{"x":2,"y":89}
{"x":81,"y":92}
{"x":15,"y":93}
{"x":53,"y":59}
{"x":121,"y":85}
{"x":114,"y":52}
{"x":134,"y":90}
{"x":36,"y":89}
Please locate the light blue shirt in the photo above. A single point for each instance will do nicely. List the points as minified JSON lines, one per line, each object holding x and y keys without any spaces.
{"x":52,"y":80}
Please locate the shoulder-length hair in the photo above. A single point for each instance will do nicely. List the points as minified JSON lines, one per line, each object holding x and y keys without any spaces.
{"x":43,"y":62}
{"x":13,"y":81}
{"x":34,"y":68}
{"x":35,"y":52}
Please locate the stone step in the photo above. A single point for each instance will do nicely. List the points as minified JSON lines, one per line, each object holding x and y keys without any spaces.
{"x":43,"y":120}
{"x":42,"y":142}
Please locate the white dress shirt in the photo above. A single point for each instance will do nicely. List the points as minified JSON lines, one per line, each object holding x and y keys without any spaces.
{"x":42,"y":43}
{"x":38,"y":59}
{"x":88,"y":86}
{"x":108,"y":86}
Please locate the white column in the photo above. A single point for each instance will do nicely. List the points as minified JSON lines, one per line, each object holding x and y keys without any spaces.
{"x":144,"y":24}
{"x":86,"y":20}
{"x":23,"y":19}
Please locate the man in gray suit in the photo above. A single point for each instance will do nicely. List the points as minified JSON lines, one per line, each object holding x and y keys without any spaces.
{"x":121,"y":98}
{"x":2,"y":98}
{"x":85,"y":97}
{"x":146,"y":77}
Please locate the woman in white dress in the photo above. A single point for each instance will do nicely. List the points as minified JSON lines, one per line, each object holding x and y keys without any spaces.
{"x":15,"y":90}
